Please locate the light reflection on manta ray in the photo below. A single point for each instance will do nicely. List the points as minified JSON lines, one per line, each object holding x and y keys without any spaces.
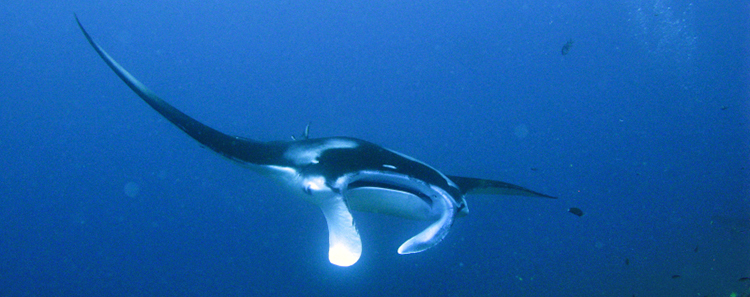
{"x":340,"y":174}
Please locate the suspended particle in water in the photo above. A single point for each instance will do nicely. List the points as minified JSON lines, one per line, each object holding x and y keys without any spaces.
{"x":131,"y":189}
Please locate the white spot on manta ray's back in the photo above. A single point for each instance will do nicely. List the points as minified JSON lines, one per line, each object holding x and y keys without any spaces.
{"x":307,"y":154}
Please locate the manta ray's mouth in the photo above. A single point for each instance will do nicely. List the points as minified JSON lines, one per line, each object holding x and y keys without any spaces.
{"x":392,"y":194}
{"x":363,"y":183}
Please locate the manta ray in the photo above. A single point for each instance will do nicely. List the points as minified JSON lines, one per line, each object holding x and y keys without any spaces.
{"x":339,"y":174}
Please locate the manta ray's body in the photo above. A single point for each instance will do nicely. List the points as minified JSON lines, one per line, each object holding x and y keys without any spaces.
{"x":339,"y":174}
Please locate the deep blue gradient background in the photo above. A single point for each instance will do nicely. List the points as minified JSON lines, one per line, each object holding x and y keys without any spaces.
{"x":643,"y":125}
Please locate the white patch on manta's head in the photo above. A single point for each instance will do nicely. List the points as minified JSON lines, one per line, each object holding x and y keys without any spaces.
{"x":343,"y":180}
{"x":308,"y":154}
{"x":315,"y":183}
{"x":315,"y":189}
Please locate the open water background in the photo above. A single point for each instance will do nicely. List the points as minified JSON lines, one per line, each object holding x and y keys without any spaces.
{"x":643,"y":125}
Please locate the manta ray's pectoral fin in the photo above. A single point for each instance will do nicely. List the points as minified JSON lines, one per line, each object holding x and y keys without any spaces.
{"x":435,"y":232}
{"x":469,"y":185}
{"x":345,"y":246}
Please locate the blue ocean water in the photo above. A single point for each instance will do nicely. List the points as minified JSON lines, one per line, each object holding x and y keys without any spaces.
{"x":643,"y":125}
